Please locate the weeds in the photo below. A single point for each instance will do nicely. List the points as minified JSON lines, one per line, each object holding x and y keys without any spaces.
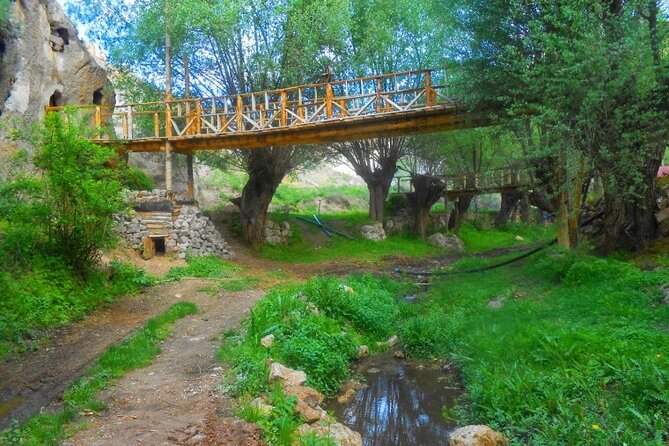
{"x":50,"y":295}
{"x":576,"y":354}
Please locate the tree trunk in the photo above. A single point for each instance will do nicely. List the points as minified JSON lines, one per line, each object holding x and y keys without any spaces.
{"x":509,"y":203}
{"x":629,"y":220}
{"x":427,"y":191}
{"x":460,"y":209}
{"x":378,"y":192}
{"x":266,"y":168}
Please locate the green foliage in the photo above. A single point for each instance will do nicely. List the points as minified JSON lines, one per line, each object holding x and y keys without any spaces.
{"x":477,"y":240}
{"x":136,"y":179}
{"x":315,"y":330}
{"x":365,"y":302}
{"x":4,"y":17}
{"x":137,"y":351}
{"x":290,"y":198}
{"x":301,"y":251}
{"x":576,"y":354}
{"x":395,"y":203}
{"x":207,"y":267}
{"x":66,"y":211}
{"x":241,"y":284}
{"x":280,"y":424}
{"x":50,"y":295}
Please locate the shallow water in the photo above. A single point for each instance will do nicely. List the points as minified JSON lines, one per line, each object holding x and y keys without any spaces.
{"x":402,"y":404}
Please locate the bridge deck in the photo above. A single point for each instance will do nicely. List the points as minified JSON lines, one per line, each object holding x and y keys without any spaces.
{"x":388,"y":105}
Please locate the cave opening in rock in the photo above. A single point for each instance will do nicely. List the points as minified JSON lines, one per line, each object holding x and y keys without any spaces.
{"x":97,"y":97}
{"x":63,"y":33}
{"x":56,"y":99}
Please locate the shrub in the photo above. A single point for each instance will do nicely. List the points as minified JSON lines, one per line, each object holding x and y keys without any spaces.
{"x":67,"y":210}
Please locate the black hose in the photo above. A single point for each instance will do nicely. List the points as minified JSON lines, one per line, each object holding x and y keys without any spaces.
{"x":480,"y":269}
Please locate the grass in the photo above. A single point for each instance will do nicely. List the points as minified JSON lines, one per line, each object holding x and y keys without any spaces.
{"x":208,"y":267}
{"x":317,"y":327}
{"x":49,"y":294}
{"x":477,"y":240}
{"x":578,"y":354}
{"x":338,"y":248}
{"x":301,"y":251}
{"x":232,"y":285}
{"x":50,"y":428}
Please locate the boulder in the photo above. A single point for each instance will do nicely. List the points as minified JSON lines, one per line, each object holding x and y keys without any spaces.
{"x":392,"y":341}
{"x":342,"y":435}
{"x":373,"y":232}
{"x":312,"y":397}
{"x":267,"y":341}
{"x":286,"y":375}
{"x":449,"y":243}
{"x":308,"y":413}
{"x":476,"y":435}
{"x":346,"y":396}
{"x":363,"y":351}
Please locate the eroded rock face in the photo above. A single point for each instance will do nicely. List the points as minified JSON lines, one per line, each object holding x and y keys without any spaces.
{"x":476,"y":435}
{"x":44,"y":63}
{"x":49,"y":58}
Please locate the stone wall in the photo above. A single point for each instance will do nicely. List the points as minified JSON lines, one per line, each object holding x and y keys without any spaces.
{"x":403,"y":222}
{"x":182,"y":227}
{"x":277,"y":233}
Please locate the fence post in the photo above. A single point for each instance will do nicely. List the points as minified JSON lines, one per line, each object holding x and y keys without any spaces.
{"x":240,"y":121}
{"x":284,"y":113}
{"x":429,"y":91}
{"x":329,"y":96}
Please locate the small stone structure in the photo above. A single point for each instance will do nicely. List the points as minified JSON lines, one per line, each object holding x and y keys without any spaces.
{"x":373,"y":232}
{"x":160,"y":225}
{"x":403,"y":222}
{"x":277,"y":233}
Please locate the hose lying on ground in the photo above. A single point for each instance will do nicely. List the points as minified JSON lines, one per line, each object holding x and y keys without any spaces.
{"x":480,"y":269}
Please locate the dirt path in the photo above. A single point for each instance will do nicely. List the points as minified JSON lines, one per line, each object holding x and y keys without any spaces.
{"x":173,"y":401}
{"x":40,"y":377}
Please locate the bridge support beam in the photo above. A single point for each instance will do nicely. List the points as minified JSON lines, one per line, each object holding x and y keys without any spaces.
{"x":191,"y":176}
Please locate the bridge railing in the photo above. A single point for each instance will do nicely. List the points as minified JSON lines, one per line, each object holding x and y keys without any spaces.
{"x":492,"y":180}
{"x":284,"y":108}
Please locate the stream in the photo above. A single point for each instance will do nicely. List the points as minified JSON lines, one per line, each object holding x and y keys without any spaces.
{"x":401,"y":404}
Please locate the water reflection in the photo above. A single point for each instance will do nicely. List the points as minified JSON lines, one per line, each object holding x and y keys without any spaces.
{"x":401,"y":405}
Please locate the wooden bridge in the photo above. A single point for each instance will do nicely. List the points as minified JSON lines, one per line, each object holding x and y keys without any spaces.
{"x":393,"y":104}
{"x":497,"y":180}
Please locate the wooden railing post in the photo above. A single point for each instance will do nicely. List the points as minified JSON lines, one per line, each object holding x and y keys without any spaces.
{"x":168,"y":119}
{"x":198,"y":117}
{"x":329,"y":97}
{"x":379,"y":87}
{"x":156,"y":125}
{"x":240,"y":120}
{"x":429,"y":91}
{"x":284,"y":113}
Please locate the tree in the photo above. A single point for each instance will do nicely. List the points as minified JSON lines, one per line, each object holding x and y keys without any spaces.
{"x":591,"y":76}
{"x":386,"y":36}
{"x":241,"y":46}
{"x":66,"y":208}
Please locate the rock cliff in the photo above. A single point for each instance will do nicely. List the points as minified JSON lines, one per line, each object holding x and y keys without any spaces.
{"x":43,"y":62}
